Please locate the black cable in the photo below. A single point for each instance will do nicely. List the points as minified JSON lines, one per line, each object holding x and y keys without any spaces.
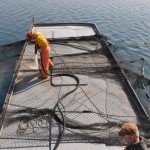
{"x":57,"y":104}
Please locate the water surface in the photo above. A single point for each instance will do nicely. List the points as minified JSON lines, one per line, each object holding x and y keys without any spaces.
{"x":125,"y":23}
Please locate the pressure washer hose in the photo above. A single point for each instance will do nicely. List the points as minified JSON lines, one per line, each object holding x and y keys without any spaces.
{"x":60,"y":99}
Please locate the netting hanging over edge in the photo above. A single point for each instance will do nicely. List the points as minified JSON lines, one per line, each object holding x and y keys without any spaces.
{"x":93,"y":113}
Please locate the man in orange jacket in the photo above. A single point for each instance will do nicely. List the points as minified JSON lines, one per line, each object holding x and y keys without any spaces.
{"x":44,"y":49}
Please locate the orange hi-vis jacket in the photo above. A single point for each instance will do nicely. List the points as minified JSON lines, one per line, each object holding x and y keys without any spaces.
{"x":41,"y":40}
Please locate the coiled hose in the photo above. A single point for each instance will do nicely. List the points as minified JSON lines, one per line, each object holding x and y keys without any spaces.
{"x":59,"y":100}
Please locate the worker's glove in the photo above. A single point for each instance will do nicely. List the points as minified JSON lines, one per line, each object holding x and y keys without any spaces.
{"x":37,"y":48}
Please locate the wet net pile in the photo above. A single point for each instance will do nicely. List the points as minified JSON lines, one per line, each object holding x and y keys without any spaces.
{"x":86,"y":100}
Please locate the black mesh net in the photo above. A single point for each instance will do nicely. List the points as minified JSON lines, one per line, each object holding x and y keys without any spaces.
{"x":92,"y":111}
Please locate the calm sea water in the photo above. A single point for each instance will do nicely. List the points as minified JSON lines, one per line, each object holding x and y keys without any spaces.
{"x":126,"y":23}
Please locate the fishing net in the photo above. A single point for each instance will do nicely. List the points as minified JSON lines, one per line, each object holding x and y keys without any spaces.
{"x":64,"y":110}
{"x":9,"y":56}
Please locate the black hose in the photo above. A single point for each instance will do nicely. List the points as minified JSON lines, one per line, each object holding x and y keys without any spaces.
{"x":57,"y":104}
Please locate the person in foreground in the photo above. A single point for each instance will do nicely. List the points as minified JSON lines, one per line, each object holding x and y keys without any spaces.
{"x":44,"y":48}
{"x":130,"y":134}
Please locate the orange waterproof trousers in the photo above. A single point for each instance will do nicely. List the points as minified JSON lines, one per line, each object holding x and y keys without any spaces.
{"x":46,"y":62}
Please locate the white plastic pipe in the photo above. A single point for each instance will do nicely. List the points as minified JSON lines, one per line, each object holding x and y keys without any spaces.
{"x":36,"y":66}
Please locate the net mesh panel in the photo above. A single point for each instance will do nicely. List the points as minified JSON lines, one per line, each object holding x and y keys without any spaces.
{"x":134,"y":67}
{"x":9,"y":55}
{"x":92,"y":113}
